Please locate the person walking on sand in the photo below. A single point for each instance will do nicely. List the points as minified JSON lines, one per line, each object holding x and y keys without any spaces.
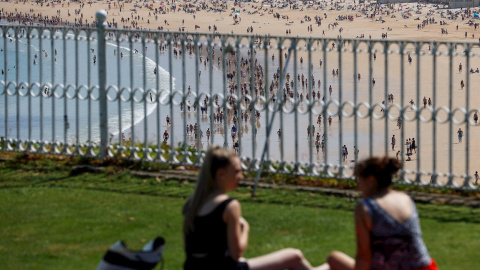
{"x":460,"y":135}
{"x":393,"y":142}
{"x":413,"y":146}
{"x":475,"y":117}
{"x":234,"y":132}
{"x":236,"y":146}
{"x":412,"y":104}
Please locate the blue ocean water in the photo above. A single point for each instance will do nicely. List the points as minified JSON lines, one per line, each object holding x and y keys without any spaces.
{"x":50,"y":111}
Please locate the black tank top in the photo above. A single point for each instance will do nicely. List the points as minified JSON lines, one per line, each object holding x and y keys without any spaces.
{"x":209,"y":239}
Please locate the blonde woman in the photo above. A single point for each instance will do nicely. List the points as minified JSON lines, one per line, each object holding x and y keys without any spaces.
{"x":215,"y":233}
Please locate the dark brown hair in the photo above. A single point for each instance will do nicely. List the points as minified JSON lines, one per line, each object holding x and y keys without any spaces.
{"x":382,"y":168}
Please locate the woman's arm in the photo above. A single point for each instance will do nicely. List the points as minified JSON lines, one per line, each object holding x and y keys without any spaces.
{"x":237,"y":230}
{"x":363,"y":225}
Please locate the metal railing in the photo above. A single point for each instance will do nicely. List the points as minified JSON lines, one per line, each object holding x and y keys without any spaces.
{"x":294,"y":105}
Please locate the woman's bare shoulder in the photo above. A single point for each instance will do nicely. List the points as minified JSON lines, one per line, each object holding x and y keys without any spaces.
{"x":398,"y":204}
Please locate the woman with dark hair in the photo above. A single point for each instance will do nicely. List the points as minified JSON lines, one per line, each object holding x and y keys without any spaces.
{"x":386,"y":224}
{"x":215,"y":233}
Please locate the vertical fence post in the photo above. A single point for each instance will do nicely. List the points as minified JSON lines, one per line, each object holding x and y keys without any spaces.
{"x":101,"y":16}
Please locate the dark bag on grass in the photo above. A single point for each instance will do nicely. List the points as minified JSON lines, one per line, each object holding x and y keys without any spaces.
{"x":119,"y":257}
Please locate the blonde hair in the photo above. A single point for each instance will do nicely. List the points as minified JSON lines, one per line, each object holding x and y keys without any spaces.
{"x":215,"y":158}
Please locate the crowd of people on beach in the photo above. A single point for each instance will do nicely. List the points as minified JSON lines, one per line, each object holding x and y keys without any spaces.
{"x":245,"y":93}
{"x":298,"y":91}
{"x":155,"y":12}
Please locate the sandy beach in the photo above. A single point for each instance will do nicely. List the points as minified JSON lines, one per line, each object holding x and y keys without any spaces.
{"x":334,"y":20}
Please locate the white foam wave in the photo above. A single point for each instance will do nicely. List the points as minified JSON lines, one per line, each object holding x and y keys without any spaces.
{"x":138,"y":113}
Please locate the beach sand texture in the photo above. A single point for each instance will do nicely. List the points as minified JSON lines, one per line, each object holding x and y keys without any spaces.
{"x":260,"y":17}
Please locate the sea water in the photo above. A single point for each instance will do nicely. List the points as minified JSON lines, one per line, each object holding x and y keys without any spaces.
{"x":62,"y":75}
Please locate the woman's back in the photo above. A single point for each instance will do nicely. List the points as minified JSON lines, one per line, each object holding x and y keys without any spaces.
{"x":395,"y":235}
{"x":207,"y":246}
{"x":397,"y":204}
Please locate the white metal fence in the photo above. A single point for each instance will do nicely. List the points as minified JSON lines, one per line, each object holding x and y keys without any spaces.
{"x":306,"y":106}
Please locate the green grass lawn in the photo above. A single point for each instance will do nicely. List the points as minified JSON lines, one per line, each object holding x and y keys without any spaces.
{"x":50,"y":220}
